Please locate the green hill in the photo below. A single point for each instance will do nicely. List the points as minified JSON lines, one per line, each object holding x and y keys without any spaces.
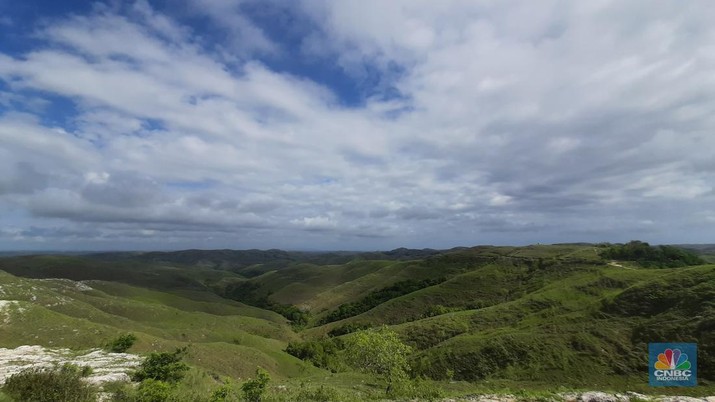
{"x":62,"y":313}
{"x":515,"y":316}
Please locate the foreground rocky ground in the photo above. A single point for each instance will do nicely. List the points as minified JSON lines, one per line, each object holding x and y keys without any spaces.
{"x":110,"y":367}
{"x":594,"y":396}
{"x":106,"y":367}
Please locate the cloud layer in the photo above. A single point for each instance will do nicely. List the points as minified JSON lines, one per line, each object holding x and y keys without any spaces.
{"x":216,"y":124}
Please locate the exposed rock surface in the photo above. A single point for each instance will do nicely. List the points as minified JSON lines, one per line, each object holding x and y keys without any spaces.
{"x":683,"y":399}
{"x":106,"y":367}
{"x":591,"y":396}
{"x":600,"y":397}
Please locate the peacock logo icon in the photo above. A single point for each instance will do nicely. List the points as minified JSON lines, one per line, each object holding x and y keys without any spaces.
{"x":672,"y":359}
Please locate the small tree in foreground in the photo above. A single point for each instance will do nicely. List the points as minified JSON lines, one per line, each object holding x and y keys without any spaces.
{"x":163,"y":367}
{"x":253,"y":389}
{"x":379,"y":351}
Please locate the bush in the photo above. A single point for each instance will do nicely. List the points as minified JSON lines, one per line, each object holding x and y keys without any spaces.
{"x":348,"y":329}
{"x":122,"y":343}
{"x":152,"y":391}
{"x":436,"y":310}
{"x":50,"y":385}
{"x":163,"y":367}
{"x":297,"y":317}
{"x":86,"y":371}
{"x":253,"y":389}
{"x":120,"y":391}
{"x":224,"y":393}
{"x":322,"y":353}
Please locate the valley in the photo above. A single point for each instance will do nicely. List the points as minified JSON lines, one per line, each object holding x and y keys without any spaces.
{"x":532,"y":322}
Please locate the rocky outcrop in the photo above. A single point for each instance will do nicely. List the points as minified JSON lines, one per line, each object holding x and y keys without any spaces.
{"x":591,"y":396}
{"x":106,"y":367}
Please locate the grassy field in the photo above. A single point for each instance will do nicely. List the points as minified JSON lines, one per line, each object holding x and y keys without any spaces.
{"x":225,"y":337}
{"x":530,"y":319}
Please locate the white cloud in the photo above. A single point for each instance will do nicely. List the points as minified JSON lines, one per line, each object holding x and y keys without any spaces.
{"x":512,"y":122}
{"x":315,"y":223}
{"x":241,"y":34}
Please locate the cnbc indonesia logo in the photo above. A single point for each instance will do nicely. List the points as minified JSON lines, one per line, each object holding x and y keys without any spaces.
{"x":673,"y":364}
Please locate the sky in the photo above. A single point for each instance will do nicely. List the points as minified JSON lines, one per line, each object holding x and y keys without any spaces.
{"x":355,"y":124}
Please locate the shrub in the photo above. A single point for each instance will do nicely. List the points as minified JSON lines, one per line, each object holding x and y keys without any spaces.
{"x":297,"y":317}
{"x":322,"y":353}
{"x":223,"y":393}
{"x":122,"y":343}
{"x":348,"y":328}
{"x":120,"y":391}
{"x":163,"y":367}
{"x":253,"y":389}
{"x":50,"y":385}
{"x":86,"y":371}
{"x":152,"y":391}
{"x":436,"y":310}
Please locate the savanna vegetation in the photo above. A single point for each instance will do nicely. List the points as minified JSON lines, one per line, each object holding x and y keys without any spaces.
{"x":351,"y":326}
{"x":50,"y":384}
{"x":374,"y":299}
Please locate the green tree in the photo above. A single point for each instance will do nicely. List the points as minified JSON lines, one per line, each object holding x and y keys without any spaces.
{"x":122,"y":343}
{"x":322,"y":353}
{"x":379,"y":351}
{"x":253,"y":389}
{"x":163,"y":367}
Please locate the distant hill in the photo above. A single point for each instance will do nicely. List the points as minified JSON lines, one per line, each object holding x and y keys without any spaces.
{"x":149,"y":275}
{"x":705,"y":251}
{"x":255,"y":262}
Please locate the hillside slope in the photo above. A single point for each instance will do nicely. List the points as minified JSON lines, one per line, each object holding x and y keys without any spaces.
{"x":520,"y":314}
{"x":531,"y":314}
{"x":226,"y":337}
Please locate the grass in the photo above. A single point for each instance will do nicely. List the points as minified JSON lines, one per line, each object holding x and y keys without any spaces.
{"x":527,"y":321}
{"x":303,"y":282}
{"x":58,"y":314}
{"x":553,"y":323}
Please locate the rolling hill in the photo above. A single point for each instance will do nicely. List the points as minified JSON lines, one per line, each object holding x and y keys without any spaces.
{"x":509,"y":316}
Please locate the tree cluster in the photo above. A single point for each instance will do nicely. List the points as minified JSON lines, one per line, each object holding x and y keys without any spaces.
{"x":651,"y":256}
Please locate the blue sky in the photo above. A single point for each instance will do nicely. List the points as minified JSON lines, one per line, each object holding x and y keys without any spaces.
{"x":362,"y":125}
